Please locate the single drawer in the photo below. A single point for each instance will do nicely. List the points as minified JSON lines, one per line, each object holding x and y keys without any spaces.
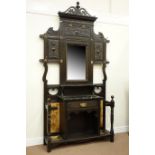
{"x":82,"y":104}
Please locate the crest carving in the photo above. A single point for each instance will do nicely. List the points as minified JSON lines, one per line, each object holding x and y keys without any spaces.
{"x":77,"y":10}
{"x":98,"y":51}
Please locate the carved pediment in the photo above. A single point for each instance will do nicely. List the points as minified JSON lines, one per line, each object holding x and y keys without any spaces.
{"x":77,"y":12}
{"x":100,"y":37}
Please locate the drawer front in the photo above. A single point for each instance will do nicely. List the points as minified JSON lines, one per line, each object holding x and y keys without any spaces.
{"x":82,"y":104}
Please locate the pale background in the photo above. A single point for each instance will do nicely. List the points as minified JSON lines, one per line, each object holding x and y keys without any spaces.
{"x":113,"y":22}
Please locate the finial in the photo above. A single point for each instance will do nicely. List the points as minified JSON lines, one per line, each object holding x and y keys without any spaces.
{"x":112,"y":97}
{"x":77,"y":5}
{"x":112,"y":101}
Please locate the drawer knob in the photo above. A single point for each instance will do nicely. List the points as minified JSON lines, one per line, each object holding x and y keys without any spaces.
{"x":83,"y":105}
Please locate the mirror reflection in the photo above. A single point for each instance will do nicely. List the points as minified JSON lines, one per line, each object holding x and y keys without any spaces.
{"x":76,"y":62}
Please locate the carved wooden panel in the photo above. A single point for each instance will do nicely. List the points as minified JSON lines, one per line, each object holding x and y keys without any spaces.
{"x":76,"y":29}
{"x":81,"y":25}
{"x":53,"y":49}
{"x":98,"y":51}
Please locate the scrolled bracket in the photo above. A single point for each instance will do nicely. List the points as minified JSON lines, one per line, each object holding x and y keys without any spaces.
{"x":45,"y":80}
{"x":45,"y":71}
{"x":104,"y":71}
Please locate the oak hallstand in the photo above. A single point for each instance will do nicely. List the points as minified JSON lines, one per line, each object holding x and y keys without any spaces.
{"x":75,"y":109}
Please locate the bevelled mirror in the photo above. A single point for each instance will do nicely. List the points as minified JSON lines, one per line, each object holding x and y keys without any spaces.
{"x":76,"y":62}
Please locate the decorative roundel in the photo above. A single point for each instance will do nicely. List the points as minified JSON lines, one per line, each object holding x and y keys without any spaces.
{"x":53,"y":91}
{"x":97,"y":90}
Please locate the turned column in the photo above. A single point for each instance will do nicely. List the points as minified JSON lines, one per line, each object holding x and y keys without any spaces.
{"x":112,"y":118}
{"x":111,"y":104}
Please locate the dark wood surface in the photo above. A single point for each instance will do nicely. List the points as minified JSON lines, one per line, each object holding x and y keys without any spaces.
{"x":76,"y":97}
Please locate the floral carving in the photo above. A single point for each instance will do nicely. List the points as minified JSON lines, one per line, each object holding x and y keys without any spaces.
{"x":53,"y":48}
{"x":98,"y":51}
{"x":77,"y":10}
{"x":74,"y":31}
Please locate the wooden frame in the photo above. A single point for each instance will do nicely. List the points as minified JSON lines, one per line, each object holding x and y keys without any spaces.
{"x":63,"y":76}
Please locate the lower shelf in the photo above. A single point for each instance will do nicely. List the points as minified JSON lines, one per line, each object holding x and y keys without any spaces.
{"x":57,"y":140}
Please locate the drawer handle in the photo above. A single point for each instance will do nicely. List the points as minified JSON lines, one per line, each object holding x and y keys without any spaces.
{"x":83,"y":105}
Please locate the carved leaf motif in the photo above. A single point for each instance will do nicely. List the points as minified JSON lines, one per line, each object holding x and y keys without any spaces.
{"x":76,"y":32}
{"x":77,"y":11}
{"x":50,"y":31}
{"x":98,"y":51}
{"x":53,"y":51}
{"x":76,"y":25}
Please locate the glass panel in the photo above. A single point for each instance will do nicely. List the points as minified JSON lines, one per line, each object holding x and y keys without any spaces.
{"x":76,"y":62}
